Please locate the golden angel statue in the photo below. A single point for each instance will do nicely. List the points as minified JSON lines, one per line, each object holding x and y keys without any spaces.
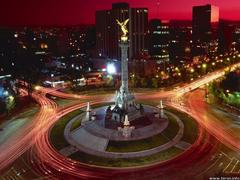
{"x":123,"y":26}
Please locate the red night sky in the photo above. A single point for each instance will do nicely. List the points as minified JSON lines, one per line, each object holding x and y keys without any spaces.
{"x":73,"y":12}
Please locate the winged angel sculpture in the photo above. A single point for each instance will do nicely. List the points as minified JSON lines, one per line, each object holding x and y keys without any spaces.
{"x":123,"y":26}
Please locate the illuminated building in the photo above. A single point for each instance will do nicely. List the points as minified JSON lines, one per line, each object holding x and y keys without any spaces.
{"x":159,"y":41}
{"x":204,"y":25}
{"x":225,"y":35}
{"x":236,"y":38}
{"x":108,"y":32}
{"x":180,"y":45}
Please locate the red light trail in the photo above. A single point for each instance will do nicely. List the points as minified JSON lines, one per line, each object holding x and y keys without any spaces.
{"x":49,"y":161}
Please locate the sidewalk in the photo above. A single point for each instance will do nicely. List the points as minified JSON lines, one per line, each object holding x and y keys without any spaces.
{"x":10,"y":126}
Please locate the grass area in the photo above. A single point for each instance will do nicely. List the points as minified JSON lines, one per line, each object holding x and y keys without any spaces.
{"x":153,"y":102}
{"x":102,"y":105}
{"x":143,"y":90}
{"x":126,"y":162}
{"x":109,"y":90}
{"x":139,"y":145}
{"x":57,"y":133}
{"x":92,"y":91}
{"x":132,"y":146}
{"x":172,"y":129}
{"x":65,"y":102}
{"x":76,"y":124}
{"x":25,"y":107}
{"x":190,"y":126}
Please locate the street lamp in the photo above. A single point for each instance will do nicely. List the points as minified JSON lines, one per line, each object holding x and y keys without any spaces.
{"x":37,"y":88}
{"x":111,"y":69}
{"x":5,"y":93}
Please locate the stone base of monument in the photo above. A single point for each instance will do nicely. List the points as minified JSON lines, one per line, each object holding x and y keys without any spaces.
{"x":101,"y":141}
{"x":124,"y":104}
{"x":145,"y":124}
{"x":94,"y":136}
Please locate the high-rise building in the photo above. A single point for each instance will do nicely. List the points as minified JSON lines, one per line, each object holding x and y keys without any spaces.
{"x":159,"y":40}
{"x":204,"y":24}
{"x":108,"y":32}
{"x":180,"y":45}
{"x":138,"y":31}
{"x":236,"y":39}
{"x":104,"y":34}
{"x":225,"y":35}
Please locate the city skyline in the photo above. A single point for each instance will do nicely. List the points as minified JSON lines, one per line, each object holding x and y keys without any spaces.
{"x":67,"y":13}
{"x":135,"y":94}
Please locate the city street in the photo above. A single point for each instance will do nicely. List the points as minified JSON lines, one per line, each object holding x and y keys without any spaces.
{"x":120,"y":90}
{"x":45,"y":159}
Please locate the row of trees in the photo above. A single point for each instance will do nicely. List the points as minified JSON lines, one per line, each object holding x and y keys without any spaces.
{"x":7,"y":98}
{"x":151,"y":82}
{"x":227,"y":90}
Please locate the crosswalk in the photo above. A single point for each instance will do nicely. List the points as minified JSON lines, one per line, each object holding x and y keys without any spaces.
{"x":13,"y":174}
{"x":233,"y":166}
{"x":223,"y":164}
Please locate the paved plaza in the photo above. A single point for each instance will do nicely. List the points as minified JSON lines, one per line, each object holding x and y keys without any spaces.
{"x":92,"y":137}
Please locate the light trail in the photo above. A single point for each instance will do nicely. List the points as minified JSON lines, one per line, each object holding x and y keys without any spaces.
{"x":48,"y":161}
{"x":23,"y":139}
{"x":49,"y":157}
{"x":198,"y":109}
{"x":57,"y":93}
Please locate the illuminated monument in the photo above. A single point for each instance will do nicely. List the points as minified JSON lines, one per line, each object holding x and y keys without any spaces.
{"x":124,"y":100}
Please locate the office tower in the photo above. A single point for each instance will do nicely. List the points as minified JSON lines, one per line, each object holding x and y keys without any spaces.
{"x":108,"y":32}
{"x":225,"y":35}
{"x":204,"y":24}
{"x":138,"y":31}
{"x":180,"y":45}
{"x":236,"y":39}
{"x":159,"y":40}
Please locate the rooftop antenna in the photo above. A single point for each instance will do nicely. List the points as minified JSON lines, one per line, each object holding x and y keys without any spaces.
{"x":158,"y":4}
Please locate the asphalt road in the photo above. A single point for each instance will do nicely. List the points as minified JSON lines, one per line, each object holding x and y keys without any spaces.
{"x":47,"y":161}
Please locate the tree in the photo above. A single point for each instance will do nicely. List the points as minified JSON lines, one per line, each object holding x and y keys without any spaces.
{"x":231,"y":82}
{"x":154,"y":82}
{"x":2,"y":107}
{"x":143,"y":82}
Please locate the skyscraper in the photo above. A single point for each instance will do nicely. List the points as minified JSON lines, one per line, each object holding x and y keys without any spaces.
{"x":108,"y":32}
{"x":204,"y":24}
{"x":225,"y":35}
{"x":159,"y":41}
{"x":138,"y":31}
{"x":180,"y":44}
{"x":236,"y":38}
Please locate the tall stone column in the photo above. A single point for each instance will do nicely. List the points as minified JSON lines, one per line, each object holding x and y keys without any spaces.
{"x":124,"y":66}
{"x":124,"y":99}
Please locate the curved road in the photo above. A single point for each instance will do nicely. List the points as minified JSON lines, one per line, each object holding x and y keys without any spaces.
{"x":49,"y":162}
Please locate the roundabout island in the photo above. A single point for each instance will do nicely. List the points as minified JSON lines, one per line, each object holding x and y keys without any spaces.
{"x":123,"y":133}
{"x":121,"y":137}
{"x":156,"y":135}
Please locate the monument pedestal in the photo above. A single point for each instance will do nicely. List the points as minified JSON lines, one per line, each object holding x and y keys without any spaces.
{"x":124,"y":100}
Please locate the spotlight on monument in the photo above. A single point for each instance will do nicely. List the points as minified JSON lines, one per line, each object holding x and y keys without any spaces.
{"x":111,"y":69}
